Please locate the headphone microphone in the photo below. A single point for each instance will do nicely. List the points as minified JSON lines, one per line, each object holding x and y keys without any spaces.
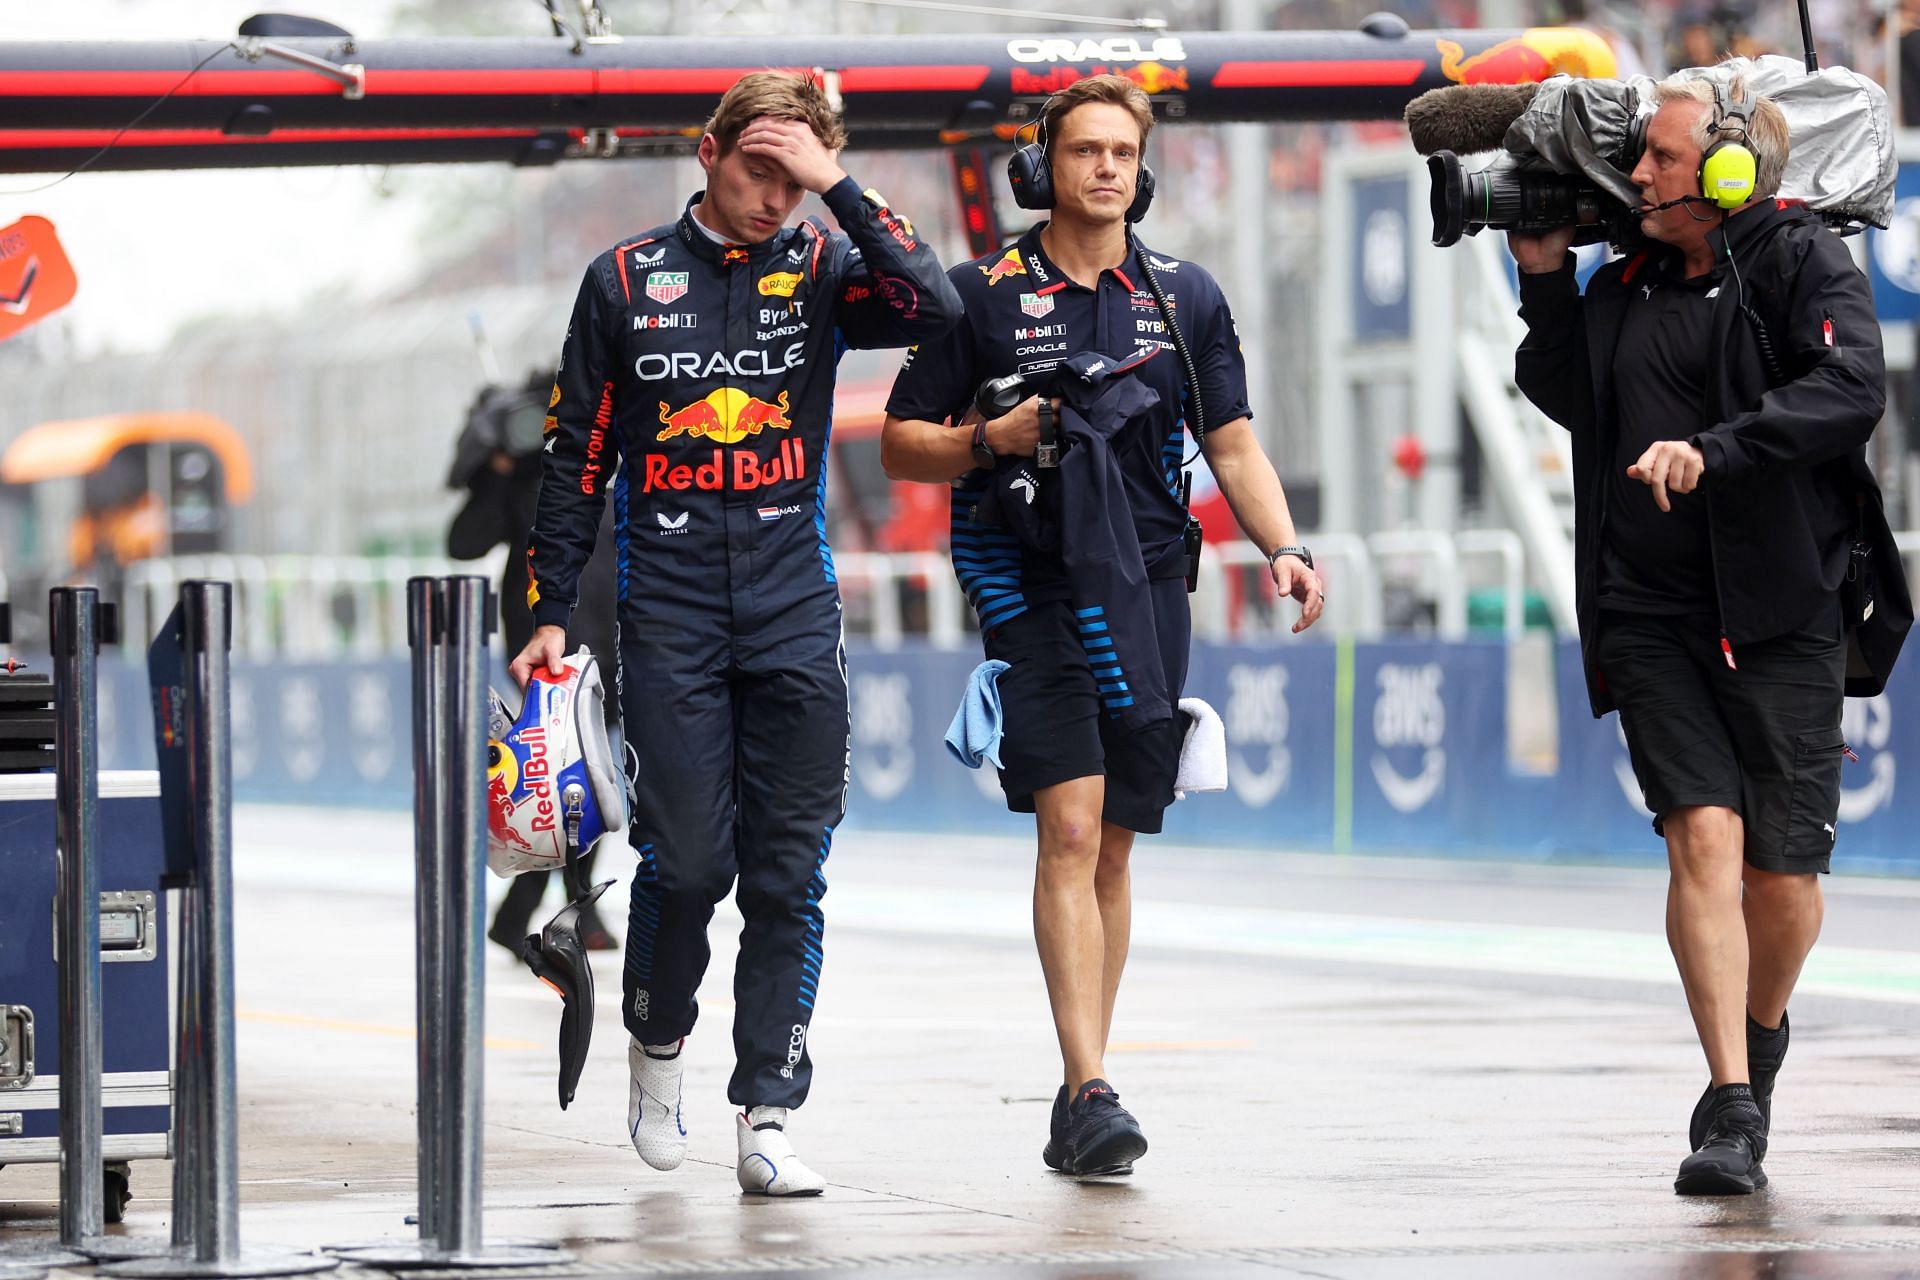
{"x":1686,"y":199}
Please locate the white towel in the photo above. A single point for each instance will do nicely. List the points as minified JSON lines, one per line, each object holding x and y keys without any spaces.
{"x":1203,"y":754}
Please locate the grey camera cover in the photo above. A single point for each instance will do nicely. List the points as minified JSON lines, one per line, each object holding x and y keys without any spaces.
{"x":1841,"y":160}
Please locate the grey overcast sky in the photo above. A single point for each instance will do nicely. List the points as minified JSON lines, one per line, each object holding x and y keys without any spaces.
{"x":153,"y":249}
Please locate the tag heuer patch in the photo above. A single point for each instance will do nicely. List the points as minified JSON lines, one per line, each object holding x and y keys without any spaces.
{"x":666,"y":287}
{"x":1036,"y":305}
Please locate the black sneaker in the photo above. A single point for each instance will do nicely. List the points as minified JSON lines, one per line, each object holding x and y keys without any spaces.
{"x":1102,"y":1138}
{"x":1728,"y":1162}
{"x":1766,"y":1050}
{"x":1055,"y":1152}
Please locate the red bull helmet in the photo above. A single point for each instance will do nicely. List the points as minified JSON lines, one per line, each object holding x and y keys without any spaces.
{"x":552,"y":783}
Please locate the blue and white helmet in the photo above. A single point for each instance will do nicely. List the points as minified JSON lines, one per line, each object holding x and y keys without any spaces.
{"x":551,"y":778}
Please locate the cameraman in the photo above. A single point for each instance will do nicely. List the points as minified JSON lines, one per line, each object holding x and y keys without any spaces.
{"x":1720,"y":387}
{"x":1079,"y":284}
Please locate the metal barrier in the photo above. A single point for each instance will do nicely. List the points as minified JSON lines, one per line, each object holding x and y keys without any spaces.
{"x":315,"y":608}
{"x":292,"y":606}
{"x":206,"y":1174}
{"x":448,"y":623}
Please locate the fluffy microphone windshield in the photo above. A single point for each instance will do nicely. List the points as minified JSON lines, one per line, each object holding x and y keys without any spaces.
{"x":1465,"y":118}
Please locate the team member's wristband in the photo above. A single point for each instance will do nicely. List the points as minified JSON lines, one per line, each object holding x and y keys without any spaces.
{"x":982,"y":455}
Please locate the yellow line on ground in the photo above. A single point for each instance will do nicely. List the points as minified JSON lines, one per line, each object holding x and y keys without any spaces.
{"x":1154,"y":1046}
{"x":359,"y":1028}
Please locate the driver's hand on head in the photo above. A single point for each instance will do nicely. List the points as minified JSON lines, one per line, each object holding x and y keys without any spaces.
{"x":548,"y":647}
{"x":793,"y":145}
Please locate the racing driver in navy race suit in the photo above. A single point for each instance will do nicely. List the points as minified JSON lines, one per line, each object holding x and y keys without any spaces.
{"x":701,"y":355}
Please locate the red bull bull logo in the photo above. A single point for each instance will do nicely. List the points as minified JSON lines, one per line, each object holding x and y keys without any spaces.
{"x":726,"y":416}
{"x":1529,"y":57}
{"x":1008,"y":265}
{"x":1157,"y":77}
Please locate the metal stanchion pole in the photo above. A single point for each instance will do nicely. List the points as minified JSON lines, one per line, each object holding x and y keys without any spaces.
{"x":206,"y":611}
{"x":189,"y":1136}
{"x":449,"y":621}
{"x":76,"y":810}
{"x":73,"y":615}
{"x":426,"y":618}
{"x":464,"y":853}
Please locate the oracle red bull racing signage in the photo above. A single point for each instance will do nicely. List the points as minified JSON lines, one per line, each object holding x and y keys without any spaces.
{"x":1108,"y":49}
{"x":1533,"y":55}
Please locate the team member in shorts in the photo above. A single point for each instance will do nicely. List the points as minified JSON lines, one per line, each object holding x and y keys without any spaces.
{"x":1075,"y":752}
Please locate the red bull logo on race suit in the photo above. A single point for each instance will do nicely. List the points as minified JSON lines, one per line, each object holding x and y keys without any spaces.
{"x":726,"y":416}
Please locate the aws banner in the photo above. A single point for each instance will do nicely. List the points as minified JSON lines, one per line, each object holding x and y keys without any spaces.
{"x":1398,"y":746}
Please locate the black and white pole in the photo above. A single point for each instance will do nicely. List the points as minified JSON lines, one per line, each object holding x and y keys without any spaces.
{"x":208,"y":1120}
{"x":449,"y":621}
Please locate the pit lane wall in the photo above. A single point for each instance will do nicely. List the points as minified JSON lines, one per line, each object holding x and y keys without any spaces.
{"x":1399,"y":746}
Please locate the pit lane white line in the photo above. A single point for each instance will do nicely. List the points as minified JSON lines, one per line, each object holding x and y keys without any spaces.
{"x":275,"y":847}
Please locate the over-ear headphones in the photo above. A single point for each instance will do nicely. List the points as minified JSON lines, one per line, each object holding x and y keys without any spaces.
{"x":1030,"y":174}
{"x":1727,"y":167}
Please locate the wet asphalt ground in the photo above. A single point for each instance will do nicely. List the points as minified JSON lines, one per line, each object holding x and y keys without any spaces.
{"x":1348,"y":1067}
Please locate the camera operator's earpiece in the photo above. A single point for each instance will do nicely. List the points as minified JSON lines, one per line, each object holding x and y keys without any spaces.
{"x":1030,"y":174}
{"x":1727,"y":167}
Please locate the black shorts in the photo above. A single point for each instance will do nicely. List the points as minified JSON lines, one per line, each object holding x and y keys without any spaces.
{"x":1055,"y":729}
{"x":1763,"y":740}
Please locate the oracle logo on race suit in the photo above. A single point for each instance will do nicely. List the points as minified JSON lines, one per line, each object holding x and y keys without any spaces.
{"x":1260,"y":764}
{"x":1867,"y":727}
{"x":1408,"y":712}
{"x":752,"y":363}
{"x":883,"y":756}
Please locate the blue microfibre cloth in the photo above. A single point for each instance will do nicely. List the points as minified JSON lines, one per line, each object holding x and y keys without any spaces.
{"x":978,"y":723}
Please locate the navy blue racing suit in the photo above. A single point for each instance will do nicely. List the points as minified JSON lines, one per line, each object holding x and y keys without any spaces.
{"x":707,"y":369}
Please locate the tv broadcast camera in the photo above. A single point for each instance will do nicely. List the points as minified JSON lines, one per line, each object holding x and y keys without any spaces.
{"x":1566,"y":149}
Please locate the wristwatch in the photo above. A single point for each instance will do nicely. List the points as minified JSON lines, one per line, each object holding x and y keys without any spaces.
{"x":1306,"y":556}
{"x":983,"y":457}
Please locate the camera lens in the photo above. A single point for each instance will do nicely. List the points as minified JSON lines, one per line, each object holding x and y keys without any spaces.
{"x":1447,"y":199}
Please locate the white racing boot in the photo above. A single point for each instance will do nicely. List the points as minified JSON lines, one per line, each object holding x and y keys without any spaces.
{"x":767,"y":1163}
{"x":653,"y":1103}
